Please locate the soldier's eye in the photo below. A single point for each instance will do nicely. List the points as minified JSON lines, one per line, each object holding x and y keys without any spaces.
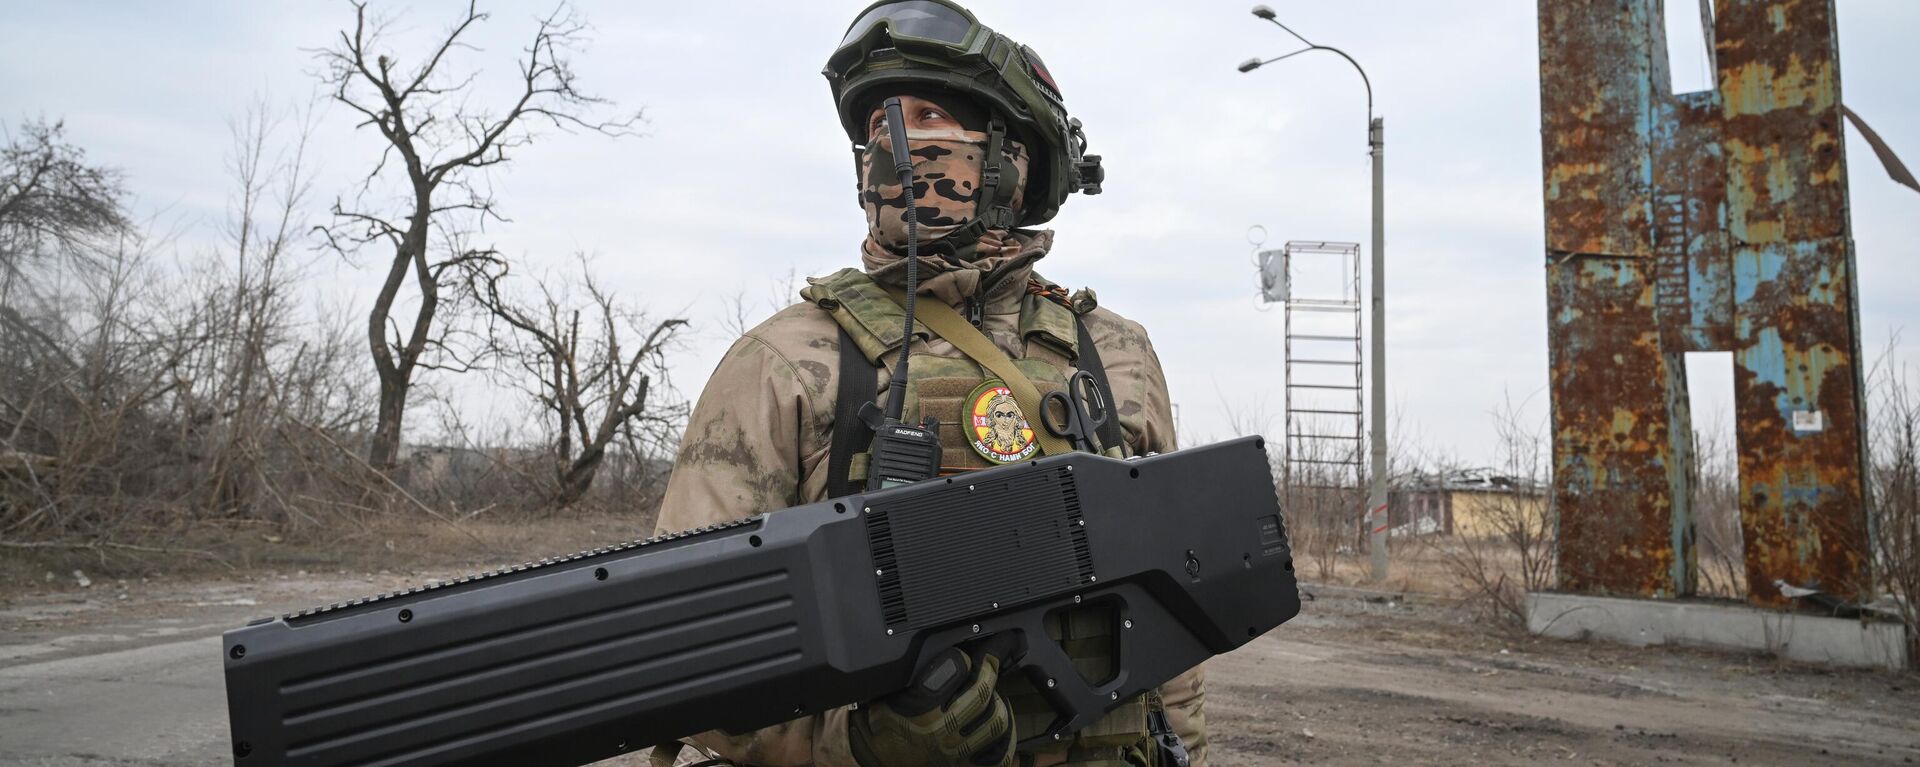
{"x":932,"y":115}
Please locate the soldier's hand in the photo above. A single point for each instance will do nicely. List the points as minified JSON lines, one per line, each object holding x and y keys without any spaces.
{"x":950,"y":715}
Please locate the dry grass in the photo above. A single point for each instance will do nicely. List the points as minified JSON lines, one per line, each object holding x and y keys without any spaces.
{"x":1416,"y":565}
{"x":392,"y":542}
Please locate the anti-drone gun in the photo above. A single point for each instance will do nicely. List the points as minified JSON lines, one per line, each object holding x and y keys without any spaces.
{"x":751,"y":623}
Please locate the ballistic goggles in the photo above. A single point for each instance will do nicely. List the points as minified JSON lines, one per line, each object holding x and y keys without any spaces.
{"x":929,"y":27}
{"x":924,"y":21}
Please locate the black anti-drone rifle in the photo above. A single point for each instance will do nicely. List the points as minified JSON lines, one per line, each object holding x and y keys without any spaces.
{"x":743,"y":625}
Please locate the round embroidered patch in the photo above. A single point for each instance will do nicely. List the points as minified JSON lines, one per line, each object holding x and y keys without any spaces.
{"x":996,"y":427}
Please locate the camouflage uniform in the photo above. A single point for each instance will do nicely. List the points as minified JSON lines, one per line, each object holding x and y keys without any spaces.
{"x":759,"y":438}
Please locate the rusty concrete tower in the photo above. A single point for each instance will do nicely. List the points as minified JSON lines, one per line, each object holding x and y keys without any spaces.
{"x":1708,"y":221}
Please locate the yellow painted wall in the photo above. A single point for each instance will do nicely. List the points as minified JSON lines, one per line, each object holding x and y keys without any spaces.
{"x":1486,"y":515}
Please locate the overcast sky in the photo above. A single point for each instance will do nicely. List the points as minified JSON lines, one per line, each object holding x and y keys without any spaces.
{"x":744,"y":175}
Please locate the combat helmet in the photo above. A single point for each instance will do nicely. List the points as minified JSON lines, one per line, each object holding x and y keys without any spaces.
{"x":897,"y":45}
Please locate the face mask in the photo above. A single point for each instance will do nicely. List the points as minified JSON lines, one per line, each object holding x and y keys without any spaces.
{"x":946,"y":176}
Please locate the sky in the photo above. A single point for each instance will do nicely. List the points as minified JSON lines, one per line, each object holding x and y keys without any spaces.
{"x":742,"y":177}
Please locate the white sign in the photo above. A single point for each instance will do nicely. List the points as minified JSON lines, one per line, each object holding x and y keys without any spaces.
{"x":1809,"y":420}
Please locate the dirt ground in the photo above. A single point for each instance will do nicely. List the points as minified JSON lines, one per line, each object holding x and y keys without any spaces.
{"x":1364,"y":678}
{"x":1361,"y":677}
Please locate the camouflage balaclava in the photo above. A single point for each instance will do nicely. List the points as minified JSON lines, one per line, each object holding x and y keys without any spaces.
{"x":946,"y":183}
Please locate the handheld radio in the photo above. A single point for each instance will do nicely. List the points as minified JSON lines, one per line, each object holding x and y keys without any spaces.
{"x":902,"y":453}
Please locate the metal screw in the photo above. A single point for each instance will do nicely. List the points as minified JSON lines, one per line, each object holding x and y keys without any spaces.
{"x":1056,"y":736}
{"x":868,"y":510}
{"x":969,"y":488}
{"x":879,"y":572}
{"x":1113,"y":695}
{"x":976,"y":628}
{"x":1092,"y":578}
{"x":996,"y":605}
{"x":889,"y":632}
{"x":1049,"y":684}
{"x":1083,"y":523}
{"x":1069,"y":467}
{"x":1128,"y":623}
{"x":1076,"y":599}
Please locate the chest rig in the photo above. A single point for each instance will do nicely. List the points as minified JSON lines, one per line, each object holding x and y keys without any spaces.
{"x":1054,"y":342}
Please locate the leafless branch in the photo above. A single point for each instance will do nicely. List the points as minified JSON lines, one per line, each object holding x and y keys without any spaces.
{"x":444,"y":147}
{"x":594,"y":391}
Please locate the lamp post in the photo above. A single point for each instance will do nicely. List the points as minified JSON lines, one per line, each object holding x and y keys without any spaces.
{"x":1376,"y":516}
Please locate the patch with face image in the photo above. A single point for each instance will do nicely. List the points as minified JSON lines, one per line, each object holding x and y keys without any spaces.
{"x":996,"y":427}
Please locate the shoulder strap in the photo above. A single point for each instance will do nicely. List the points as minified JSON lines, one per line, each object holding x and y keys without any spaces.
{"x":1089,"y":361}
{"x":858,"y":304}
{"x":850,"y":434}
{"x":948,"y":324}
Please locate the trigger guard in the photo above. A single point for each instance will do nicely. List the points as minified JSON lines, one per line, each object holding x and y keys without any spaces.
{"x":1076,"y":703}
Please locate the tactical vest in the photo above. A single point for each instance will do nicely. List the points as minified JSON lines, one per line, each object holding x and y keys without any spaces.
{"x":1055,"y":342}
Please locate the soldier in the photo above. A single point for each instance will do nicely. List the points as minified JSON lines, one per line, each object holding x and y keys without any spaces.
{"x":994,"y":153}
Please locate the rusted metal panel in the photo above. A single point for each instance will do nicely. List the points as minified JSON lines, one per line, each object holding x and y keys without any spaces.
{"x":1612,"y":452}
{"x":1616,"y":472}
{"x":1779,"y":82}
{"x":1695,"y":286}
{"x":1694,"y":222}
{"x":1797,"y":377}
{"x":1802,"y":499}
{"x":1595,"y":120}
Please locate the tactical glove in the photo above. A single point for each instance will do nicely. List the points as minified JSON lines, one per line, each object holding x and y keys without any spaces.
{"x":949,"y":715}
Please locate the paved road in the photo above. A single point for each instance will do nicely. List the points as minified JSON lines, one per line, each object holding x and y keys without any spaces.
{"x":161,"y":704}
{"x":129,"y":673}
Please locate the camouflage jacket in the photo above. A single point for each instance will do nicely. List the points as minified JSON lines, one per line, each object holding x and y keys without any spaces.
{"x":759,"y":437}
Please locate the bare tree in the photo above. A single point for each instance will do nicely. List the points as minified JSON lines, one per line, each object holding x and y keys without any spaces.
{"x":1895,"y":486}
{"x":595,"y":391}
{"x":138,"y":387}
{"x":443,"y":145}
{"x":1510,"y":550}
{"x":56,"y":210}
{"x":243,"y":301}
{"x":52,"y":201}
{"x":1716,"y":514}
{"x":62,"y":220}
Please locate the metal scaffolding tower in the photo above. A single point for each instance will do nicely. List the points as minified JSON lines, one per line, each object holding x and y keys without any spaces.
{"x":1318,"y":287}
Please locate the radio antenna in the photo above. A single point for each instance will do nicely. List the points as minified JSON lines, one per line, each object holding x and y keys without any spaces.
{"x":902,"y":453}
{"x":903,"y":167}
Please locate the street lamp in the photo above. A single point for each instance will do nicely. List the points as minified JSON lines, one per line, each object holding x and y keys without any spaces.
{"x":1376,"y":147}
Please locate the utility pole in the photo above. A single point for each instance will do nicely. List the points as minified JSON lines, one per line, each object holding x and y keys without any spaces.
{"x":1377,"y":438}
{"x":1375,"y":515}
